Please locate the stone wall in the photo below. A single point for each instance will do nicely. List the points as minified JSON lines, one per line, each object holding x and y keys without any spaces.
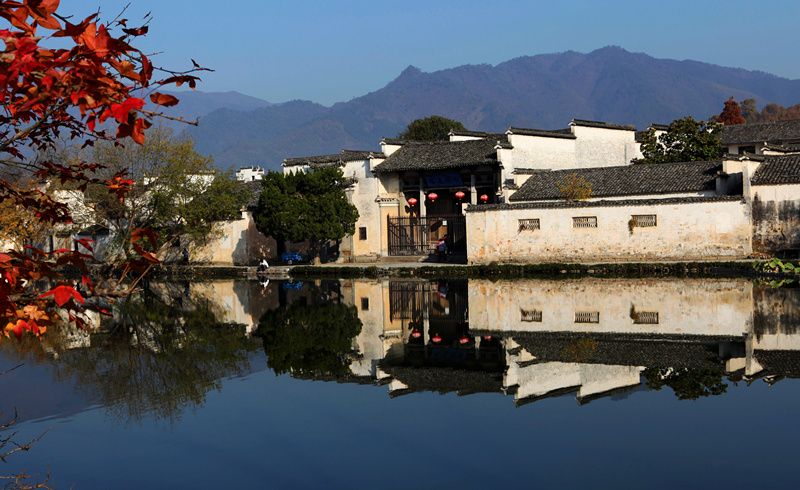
{"x":685,"y":229}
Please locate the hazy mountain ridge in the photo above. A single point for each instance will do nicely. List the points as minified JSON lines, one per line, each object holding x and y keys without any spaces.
{"x":543,"y":91}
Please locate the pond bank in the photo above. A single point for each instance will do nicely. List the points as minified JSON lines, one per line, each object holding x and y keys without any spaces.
{"x":494,"y":270}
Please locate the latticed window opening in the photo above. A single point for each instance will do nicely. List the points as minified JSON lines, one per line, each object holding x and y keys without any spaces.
{"x":529,"y":224}
{"x":584,"y":222}
{"x":643,"y":220}
{"x":646,"y":318}
{"x":587,"y":317}
{"x":530,"y":315}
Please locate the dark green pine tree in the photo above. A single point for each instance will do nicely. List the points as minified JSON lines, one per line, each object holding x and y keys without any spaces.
{"x":305,"y":206}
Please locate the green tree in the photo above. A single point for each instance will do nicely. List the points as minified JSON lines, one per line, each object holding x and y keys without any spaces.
{"x":309,"y":339}
{"x":176,"y":190}
{"x":731,"y":114}
{"x":749,"y":110}
{"x":305,"y":206}
{"x":686,"y":140}
{"x":688,"y":384}
{"x":433,"y":128}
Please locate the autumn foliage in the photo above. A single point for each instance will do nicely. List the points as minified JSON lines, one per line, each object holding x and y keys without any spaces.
{"x":731,"y":114}
{"x":95,"y":81}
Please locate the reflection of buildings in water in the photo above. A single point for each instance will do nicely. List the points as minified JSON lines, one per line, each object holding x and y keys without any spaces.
{"x":593,"y":337}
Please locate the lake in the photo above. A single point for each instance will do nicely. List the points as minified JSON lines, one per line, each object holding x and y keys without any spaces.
{"x":607,"y":383}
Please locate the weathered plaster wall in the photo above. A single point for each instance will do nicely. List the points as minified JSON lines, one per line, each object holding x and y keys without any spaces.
{"x":539,"y":152}
{"x":363,"y":197}
{"x":684,"y":231}
{"x":683,"y":306}
{"x":592,"y":147}
{"x":598,"y":147}
{"x":776,"y":217}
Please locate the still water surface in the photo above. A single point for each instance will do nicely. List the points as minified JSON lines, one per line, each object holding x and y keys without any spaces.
{"x":358,"y":384}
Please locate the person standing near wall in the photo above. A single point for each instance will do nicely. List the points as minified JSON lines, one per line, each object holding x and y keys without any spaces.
{"x":441,"y":250}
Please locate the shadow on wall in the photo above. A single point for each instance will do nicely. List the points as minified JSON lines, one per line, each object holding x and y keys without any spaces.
{"x":776,"y":225}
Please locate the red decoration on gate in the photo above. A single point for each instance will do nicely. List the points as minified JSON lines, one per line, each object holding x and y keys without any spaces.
{"x":460,"y":195}
{"x":412,"y":202}
{"x":484,"y":198}
{"x":433,"y":196}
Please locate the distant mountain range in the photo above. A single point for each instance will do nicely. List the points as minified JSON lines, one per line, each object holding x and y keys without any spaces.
{"x":543,"y":91}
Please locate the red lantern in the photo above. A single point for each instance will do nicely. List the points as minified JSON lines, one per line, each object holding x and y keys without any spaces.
{"x":460,"y":195}
{"x":484,"y":198}
{"x":412,"y":202}
{"x":436,"y":339}
{"x":463,"y":340}
{"x":416,"y":334}
{"x":433,"y":196}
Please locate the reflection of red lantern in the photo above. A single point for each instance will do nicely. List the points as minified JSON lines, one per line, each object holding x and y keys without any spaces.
{"x":463,"y":340}
{"x":436,"y":339}
{"x":460,"y":195}
{"x":412,"y":202}
{"x":488,"y":337}
{"x":484,"y":198}
{"x":433,"y":196}
{"x":416,"y":334}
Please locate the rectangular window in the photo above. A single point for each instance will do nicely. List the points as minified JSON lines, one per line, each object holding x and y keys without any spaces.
{"x":530,"y":315}
{"x":645,"y":317}
{"x":528,"y":224}
{"x":584,"y":222}
{"x":364,"y":304}
{"x":587,"y":317}
{"x":644,"y":220}
{"x":362,"y":233}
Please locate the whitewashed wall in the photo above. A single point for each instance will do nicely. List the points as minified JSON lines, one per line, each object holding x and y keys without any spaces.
{"x":698,"y":307}
{"x":685,"y":231}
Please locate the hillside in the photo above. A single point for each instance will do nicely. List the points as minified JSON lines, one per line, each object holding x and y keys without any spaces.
{"x":543,"y":91}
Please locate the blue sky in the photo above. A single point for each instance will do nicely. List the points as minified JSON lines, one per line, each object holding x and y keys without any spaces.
{"x":335,"y":50}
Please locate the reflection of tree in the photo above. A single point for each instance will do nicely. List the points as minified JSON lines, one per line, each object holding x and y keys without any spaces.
{"x":688,"y":384}
{"x":159,"y":358}
{"x":309,"y":339}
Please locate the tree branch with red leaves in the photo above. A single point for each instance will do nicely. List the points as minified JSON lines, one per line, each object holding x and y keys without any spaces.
{"x":98,"y":83}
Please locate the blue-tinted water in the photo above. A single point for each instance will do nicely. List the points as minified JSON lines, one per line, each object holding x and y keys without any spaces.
{"x":253,"y":428}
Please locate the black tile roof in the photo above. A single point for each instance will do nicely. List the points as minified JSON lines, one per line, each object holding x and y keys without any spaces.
{"x":604,"y":125}
{"x":558,"y":133}
{"x":420,"y":155}
{"x":626,"y":180}
{"x":553,"y":348}
{"x":394,"y":141}
{"x":480,"y":208}
{"x":338,"y":159}
{"x":779,"y":362}
{"x":778,"y":169}
{"x":446,"y":380}
{"x":761,"y":132}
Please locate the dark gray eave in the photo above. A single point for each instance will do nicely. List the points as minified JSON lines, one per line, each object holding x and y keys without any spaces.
{"x":603,"y":125}
{"x":625,"y":180}
{"x":476,"y":134}
{"x":558,"y":133}
{"x":338,"y":159}
{"x":482,"y":208}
